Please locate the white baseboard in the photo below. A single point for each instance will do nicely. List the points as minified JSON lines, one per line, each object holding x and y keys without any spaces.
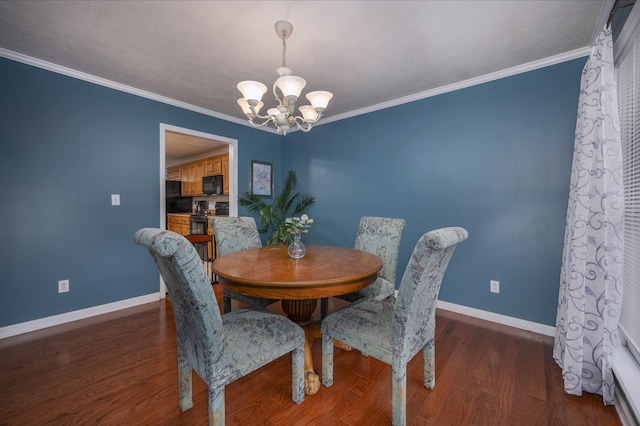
{"x":41,"y":323}
{"x":546,"y":330}
{"x":627,"y":393}
{"x":25,"y":327}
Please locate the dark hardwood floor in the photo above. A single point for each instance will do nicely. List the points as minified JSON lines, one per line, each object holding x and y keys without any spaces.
{"x":120,"y":368}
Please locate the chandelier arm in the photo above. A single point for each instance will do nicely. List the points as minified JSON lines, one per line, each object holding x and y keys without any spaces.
{"x":299,"y":125}
{"x":264,"y":123}
{"x":275,"y":95}
{"x":255,"y":113}
{"x":309,"y":126}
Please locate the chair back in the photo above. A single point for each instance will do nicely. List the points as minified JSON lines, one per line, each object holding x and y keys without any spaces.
{"x":415,"y":307}
{"x":235,"y":233}
{"x":381,"y":236}
{"x":195,"y":309}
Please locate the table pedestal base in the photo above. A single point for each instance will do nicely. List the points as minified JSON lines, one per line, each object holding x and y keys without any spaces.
{"x":300,"y":312}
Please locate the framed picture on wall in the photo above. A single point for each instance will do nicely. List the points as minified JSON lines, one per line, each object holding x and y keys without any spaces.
{"x":261,"y":178}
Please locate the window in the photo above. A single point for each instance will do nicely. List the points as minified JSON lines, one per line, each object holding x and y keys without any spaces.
{"x":627,"y":70}
{"x":627,"y":63}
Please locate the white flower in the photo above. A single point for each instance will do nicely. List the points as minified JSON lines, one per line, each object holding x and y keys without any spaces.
{"x":298,"y":225}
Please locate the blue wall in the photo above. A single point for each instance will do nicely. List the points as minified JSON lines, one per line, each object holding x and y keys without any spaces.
{"x":66,"y":146}
{"x":494,"y":158}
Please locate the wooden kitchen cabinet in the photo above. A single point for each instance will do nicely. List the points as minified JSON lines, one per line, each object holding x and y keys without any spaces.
{"x":225,"y":173}
{"x":178,"y":224}
{"x":186,"y":179}
{"x":208,"y":166}
{"x":185,"y":228}
{"x":173,"y":173}
{"x":192,"y":179}
{"x":191,"y":174}
{"x":213,"y":165}
{"x":199,"y":172}
{"x":173,"y":223}
{"x":217,"y":165}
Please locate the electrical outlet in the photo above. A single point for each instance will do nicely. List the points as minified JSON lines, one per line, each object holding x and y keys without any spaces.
{"x":494,"y":286}
{"x":63,"y":286}
{"x":115,"y":199}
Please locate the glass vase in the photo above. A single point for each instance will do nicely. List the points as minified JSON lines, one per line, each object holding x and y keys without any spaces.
{"x":296,"y":249}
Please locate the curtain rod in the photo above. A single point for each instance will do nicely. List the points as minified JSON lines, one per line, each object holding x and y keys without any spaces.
{"x":615,"y":8}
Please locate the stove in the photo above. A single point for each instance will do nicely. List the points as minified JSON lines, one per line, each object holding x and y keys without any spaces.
{"x":198,"y":224}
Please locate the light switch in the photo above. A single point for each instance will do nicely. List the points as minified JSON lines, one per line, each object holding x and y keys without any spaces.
{"x":115,"y":199}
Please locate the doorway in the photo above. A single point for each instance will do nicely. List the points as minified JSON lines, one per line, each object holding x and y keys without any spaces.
{"x":204,"y":142}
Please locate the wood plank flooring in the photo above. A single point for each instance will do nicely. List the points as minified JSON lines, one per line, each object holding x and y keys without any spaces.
{"x":120,"y":368}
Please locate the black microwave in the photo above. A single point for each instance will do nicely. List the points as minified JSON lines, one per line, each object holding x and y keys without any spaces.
{"x":212,"y":185}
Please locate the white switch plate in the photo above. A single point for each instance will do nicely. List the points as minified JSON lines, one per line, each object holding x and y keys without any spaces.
{"x":63,"y":286}
{"x":495,"y":286}
{"x":115,"y":199}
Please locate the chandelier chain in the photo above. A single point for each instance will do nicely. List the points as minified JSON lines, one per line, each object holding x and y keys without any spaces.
{"x":284,"y":51}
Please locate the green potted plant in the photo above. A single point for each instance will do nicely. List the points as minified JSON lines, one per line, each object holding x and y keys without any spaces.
{"x":272,"y":215}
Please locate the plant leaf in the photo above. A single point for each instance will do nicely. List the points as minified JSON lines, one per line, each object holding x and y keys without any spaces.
{"x":272,"y":215}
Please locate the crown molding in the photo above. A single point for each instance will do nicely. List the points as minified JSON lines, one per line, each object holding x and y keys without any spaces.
{"x":49,"y":66}
{"x":531,"y":66}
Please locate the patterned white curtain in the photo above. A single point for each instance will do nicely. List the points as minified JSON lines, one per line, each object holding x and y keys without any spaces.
{"x":590,"y":296}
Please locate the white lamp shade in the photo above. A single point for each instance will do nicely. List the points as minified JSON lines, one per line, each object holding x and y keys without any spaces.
{"x":308,"y":113}
{"x":319,"y":99}
{"x":245,"y":106}
{"x":252,"y":90}
{"x":291,"y":85}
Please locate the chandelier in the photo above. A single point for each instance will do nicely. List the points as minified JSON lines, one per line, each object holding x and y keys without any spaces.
{"x":290,"y":87}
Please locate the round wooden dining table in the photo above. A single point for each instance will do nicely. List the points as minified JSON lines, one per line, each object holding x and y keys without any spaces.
{"x":268,"y":272}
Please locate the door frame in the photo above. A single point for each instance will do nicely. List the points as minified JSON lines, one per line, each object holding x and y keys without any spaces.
{"x":233,"y":174}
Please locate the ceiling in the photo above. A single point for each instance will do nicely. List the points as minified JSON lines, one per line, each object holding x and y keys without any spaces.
{"x":370,"y":54}
{"x":180,"y":147}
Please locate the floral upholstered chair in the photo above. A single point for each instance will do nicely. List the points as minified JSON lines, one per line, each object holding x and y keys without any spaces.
{"x":380,"y":236}
{"x":395,"y":332}
{"x":233,"y":234}
{"x":219,"y":348}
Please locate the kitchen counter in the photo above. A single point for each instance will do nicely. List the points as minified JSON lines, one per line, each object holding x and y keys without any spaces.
{"x":180,"y":223}
{"x":189,"y":214}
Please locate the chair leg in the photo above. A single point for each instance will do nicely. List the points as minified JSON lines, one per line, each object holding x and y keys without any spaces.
{"x":297,"y":375}
{"x":226,"y":303}
{"x":399,"y":394}
{"x":324,"y":307}
{"x":184,"y":384}
{"x":216,"y":406}
{"x":429,"y":352}
{"x":327,"y":358}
